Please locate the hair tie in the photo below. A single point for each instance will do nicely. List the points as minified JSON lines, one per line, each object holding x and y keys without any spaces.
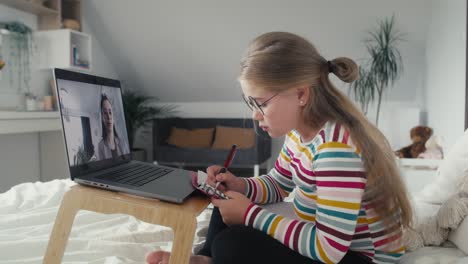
{"x":331,"y":67}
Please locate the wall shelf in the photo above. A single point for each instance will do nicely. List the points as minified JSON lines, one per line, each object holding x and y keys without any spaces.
{"x":419,"y":163}
{"x":30,"y":7}
{"x":12,"y":122}
{"x":64,"y":48}
{"x":51,"y":14}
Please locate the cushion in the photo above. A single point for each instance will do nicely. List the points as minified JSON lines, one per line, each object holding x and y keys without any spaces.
{"x":449,"y":175}
{"x":459,"y":236}
{"x":195,"y":138}
{"x":225,"y":137}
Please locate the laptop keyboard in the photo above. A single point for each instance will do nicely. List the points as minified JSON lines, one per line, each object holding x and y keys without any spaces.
{"x":135,"y":174}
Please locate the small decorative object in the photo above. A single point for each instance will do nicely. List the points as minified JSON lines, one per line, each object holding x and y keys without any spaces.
{"x":54,"y":94}
{"x":2,"y":64}
{"x":382,"y":69}
{"x":434,"y":149}
{"x":47,"y":101}
{"x":419,"y":135}
{"x":30,"y":102}
{"x":39,"y":105}
{"x":72,"y":24}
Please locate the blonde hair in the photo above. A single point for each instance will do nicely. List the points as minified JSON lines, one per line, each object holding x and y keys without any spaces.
{"x":277,"y":61}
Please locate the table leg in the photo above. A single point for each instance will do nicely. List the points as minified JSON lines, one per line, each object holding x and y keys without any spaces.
{"x":62,"y":227}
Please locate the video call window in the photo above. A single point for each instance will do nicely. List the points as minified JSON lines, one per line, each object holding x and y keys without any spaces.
{"x":94,"y":122}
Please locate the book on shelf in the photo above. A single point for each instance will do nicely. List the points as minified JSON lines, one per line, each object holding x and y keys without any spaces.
{"x":76,"y":60}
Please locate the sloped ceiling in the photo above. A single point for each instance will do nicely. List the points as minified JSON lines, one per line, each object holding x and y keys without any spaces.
{"x":189,"y":51}
{"x":173,"y":50}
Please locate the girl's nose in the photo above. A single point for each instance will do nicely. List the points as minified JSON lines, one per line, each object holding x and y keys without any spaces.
{"x":256,"y":114}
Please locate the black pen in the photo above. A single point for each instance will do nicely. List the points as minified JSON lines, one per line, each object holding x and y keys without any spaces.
{"x":228,"y":161}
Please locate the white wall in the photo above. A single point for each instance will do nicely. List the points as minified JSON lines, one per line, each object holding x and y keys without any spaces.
{"x":446,"y":67}
{"x":190,"y":51}
{"x":20,"y":160}
{"x":192,"y":54}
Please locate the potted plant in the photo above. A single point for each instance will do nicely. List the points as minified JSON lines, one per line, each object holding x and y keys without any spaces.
{"x":20,"y":52}
{"x":140,"y":110}
{"x":363,"y":89}
{"x":82,"y":156}
{"x":382,"y":69}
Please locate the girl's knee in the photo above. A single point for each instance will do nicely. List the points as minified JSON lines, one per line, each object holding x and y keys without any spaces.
{"x":233,"y":244}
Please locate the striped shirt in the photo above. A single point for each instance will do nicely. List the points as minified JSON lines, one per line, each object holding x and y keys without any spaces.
{"x":328,"y":178}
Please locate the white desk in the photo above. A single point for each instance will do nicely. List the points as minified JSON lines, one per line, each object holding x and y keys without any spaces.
{"x":48,"y":153}
{"x":12,"y":122}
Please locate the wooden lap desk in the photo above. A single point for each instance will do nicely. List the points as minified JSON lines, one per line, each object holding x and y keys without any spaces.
{"x":180,"y":217}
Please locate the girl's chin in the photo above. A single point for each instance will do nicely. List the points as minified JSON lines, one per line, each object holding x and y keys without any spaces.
{"x":274,"y":135}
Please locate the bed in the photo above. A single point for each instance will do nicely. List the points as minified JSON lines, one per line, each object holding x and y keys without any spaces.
{"x":28,"y":210}
{"x":27,"y":215}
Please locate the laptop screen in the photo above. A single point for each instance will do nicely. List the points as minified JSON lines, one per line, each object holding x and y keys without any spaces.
{"x":93,"y":121}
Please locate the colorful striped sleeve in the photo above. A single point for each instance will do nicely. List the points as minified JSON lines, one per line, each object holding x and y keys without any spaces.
{"x":340,"y":182}
{"x":274,"y":186}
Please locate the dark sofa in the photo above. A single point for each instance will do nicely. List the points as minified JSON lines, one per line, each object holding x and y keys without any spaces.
{"x":186,"y":157}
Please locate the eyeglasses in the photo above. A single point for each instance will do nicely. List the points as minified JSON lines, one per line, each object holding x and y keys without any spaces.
{"x":254,"y":105}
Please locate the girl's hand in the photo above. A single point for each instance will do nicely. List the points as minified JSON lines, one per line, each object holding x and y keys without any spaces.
{"x":232,"y":210}
{"x":229,"y":182}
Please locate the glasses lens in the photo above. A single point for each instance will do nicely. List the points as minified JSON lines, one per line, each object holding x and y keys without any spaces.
{"x":247,"y":102}
{"x":252,"y":104}
{"x":255,"y":105}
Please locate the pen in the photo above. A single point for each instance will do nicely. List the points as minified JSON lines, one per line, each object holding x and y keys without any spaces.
{"x":228,"y":161}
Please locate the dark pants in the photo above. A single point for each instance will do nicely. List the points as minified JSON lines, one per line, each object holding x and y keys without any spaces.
{"x":243,"y":244}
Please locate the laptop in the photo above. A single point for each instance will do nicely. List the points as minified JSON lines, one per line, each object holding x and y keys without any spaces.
{"x":97,"y":145}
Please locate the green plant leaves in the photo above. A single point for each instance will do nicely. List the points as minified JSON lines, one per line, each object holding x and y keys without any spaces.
{"x":140,"y":109}
{"x":383,"y":68}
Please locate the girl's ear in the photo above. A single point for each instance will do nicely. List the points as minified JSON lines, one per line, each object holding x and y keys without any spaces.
{"x":303,"y":94}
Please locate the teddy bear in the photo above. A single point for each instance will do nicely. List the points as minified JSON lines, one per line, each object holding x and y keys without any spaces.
{"x":434,"y":148}
{"x":419,"y":135}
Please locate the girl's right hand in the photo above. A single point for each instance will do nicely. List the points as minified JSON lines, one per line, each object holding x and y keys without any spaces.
{"x":228,"y":181}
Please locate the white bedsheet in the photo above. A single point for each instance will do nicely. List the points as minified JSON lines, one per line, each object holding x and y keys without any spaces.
{"x":27,"y":215}
{"x":435,"y":255}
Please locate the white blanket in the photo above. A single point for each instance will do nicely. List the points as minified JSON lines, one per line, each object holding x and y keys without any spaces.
{"x":27,"y":215}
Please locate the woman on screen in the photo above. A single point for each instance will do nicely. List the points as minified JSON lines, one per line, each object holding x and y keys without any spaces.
{"x":110,"y":144}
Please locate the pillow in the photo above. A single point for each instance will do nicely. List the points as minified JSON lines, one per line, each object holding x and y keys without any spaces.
{"x":225,"y":137}
{"x":459,"y":236}
{"x":449,"y":175}
{"x":196,"y":138}
{"x":433,"y":231}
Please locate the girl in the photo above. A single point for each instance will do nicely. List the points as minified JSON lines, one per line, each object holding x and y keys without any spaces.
{"x":349,"y":201}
